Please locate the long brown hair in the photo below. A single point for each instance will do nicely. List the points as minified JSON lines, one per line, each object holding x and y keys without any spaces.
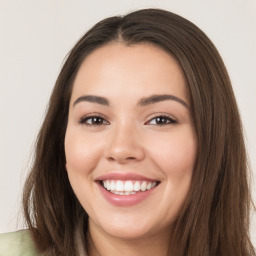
{"x":215,"y":216}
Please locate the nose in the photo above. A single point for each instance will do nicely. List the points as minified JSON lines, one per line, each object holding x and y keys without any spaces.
{"x":124,"y":146}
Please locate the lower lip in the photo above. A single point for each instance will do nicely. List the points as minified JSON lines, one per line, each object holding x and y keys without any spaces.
{"x":125,"y":200}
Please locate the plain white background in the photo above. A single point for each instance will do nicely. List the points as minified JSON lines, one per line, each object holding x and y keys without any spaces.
{"x":35,"y":36}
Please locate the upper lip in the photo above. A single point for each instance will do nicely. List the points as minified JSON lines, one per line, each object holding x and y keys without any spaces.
{"x":123,"y":176}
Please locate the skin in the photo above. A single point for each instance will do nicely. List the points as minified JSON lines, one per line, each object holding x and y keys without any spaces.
{"x":128,"y":139}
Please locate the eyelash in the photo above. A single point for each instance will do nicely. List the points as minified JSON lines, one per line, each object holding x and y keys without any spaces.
{"x":84,"y":119}
{"x":88,"y":117}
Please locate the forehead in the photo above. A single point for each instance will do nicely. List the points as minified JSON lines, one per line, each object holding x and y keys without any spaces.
{"x":141,"y":68}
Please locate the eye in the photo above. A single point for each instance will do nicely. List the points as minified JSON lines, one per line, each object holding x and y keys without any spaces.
{"x":161,"y":120}
{"x":93,"y":120}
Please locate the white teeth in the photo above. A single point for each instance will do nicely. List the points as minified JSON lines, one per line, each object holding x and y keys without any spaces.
{"x":108,"y":185}
{"x":120,"y":187}
{"x":136,"y":186}
{"x":128,"y":187}
{"x":112,"y":185}
{"x":123,"y":193}
{"x":143,"y":186}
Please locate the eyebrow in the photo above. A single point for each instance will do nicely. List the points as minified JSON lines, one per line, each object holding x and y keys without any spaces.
{"x":158,"y":98}
{"x":142,"y":102}
{"x":93,"y":99}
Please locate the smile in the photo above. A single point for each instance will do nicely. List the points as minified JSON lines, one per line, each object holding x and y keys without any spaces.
{"x":126,"y":189}
{"x":120,"y":187}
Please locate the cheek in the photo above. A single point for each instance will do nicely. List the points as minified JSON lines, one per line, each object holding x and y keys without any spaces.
{"x":176,"y":160}
{"x":81,"y":159}
{"x":81,"y":153}
{"x":78,"y":150}
{"x":175,"y":154}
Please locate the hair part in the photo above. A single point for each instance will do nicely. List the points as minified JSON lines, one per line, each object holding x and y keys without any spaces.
{"x":215,"y":217}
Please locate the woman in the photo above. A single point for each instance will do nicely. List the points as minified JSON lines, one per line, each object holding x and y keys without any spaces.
{"x":141,"y":151}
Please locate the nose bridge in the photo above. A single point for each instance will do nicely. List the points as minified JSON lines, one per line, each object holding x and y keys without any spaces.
{"x":124,"y":142}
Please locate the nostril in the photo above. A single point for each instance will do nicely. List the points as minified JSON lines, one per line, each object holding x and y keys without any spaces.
{"x":121,"y":159}
{"x":111,"y":158}
{"x":131,"y":158}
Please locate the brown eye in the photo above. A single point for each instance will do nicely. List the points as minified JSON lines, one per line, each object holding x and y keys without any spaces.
{"x":93,"y":121}
{"x":162,"y":120}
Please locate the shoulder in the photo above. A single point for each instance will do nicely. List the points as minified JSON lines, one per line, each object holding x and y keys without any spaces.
{"x":17,"y":243}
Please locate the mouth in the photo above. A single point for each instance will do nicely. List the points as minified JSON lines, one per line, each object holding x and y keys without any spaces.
{"x":128,"y":187}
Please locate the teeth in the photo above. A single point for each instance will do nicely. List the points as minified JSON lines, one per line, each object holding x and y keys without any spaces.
{"x":108,"y":185}
{"x":136,"y":186}
{"x":123,"y":193}
{"x":128,"y":187}
{"x":143,"y":186}
{"x":112,"y":185}
{"x":120,"y":187}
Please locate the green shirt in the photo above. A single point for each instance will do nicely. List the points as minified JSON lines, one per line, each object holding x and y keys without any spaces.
{"x":17,"y":243}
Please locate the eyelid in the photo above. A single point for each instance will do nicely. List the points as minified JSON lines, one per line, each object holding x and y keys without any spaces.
{"x":83,"y":119}
{"x":171,"y":117}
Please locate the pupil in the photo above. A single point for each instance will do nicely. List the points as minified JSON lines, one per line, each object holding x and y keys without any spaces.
{"x":160,"y":120}
{"x":97,"y":120}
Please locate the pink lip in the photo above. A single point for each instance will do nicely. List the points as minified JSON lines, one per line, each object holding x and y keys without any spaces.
{"x":122,"y":176}
{"x":125,"y":200}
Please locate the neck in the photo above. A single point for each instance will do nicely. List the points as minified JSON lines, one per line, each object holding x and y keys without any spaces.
{"x":102,"y":244}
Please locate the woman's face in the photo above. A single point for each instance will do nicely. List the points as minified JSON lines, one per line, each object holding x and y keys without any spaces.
{"x":130,"y":142}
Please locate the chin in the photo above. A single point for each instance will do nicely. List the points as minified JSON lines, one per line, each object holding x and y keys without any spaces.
{"x":128,"y":227}
{"x":127,"y":233}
